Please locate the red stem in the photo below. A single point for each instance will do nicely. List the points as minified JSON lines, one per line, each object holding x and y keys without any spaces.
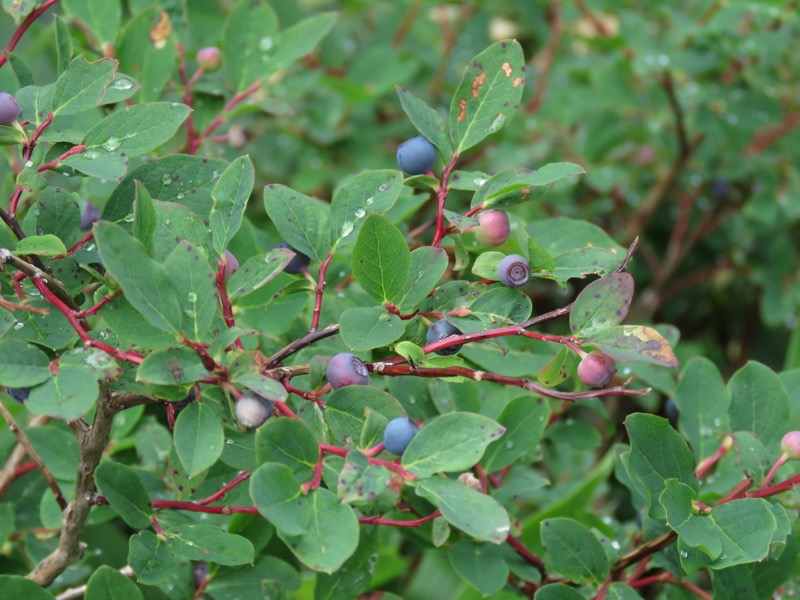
{"x":705,"y":465}
{"x":778,"y":464}
{"x":775,"y":489}
{"x":316,"y":478}
{"x":227,"y":312}
{"x":188,"y":100}
{"x":323,"y":269}
{"x":14,"y":201}
{"x":394,"y":523}
{"x":523,"y":551}
{"x":79,"y":244}
{"x":23,"y":27}
{"x":54,"y":163}
{"x":91,"y":311}
{"x":330,"y":449}
{"x":221,"y":493}
{"x":22,"y":469}
{"x":229,"y":107}
{"x":28,"y":150}
{"x":441,"y":198}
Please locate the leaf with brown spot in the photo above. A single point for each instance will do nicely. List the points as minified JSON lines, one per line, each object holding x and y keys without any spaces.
{"x":634,"y":343}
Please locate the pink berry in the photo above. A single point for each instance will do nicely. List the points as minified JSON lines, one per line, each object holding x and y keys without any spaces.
{"x":231,"y":264}
{"x":210,"y":58}
{"x":596,"y":369}
{"x":790,"y":444}
{"x":493,"y":227}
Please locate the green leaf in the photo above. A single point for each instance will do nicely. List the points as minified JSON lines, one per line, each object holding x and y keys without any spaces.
{"x":451,"y":442}
{"x":300,"y":39}
{"x":299,"y":219}
{"x":145,"y":283}
{"x":658,"y":453}
{"x":573,"y":551}
{"x":82,"y":85}
{"x":558,"y":591}
{"x":150,"y":558}
{"x":126,"y":493}
{"x":602,"y":304}
{"x":63,"y":45}
{"x":153,"y":63}
{"x":248,"y":35}
{"x":69,"y":395}
{"x":23,"y":365}
{"x":580,"y":262}
{"x":258,"y":271}
{"x":480,"y":565}
{"x":288,"y":442}
{"x":176,"y":222}
{"x":16,"y":587}
{"x":172,"y":366}
{"x":759,"y":403}
{"x":488,"y":95}
{"x":174,"y":178}
{"x":57,"y":211}
{"x":277,"y":495}
{"x":209,"y":543}
{"x":428,"y":264}
{"x":346,"y":414}
{"x":101,"y":16}
{"x":106,"y":583}
{"x":332,"y":536}
{"x":359,"y":480}
{"x":427,"y":121}
{"x":381,"y":259}
{"x":41,"y":245}
{"x":475,"y":514}
{"x":262,"y":385}
{"x":620,"y":591}
{"x":703,"y":402}
{"x":500,"y":306}
{"x":525,"y":419}
{"x":486,"y":264}
{"x":144,"y":217}
{"x":634,"y":343}
{"x":562,"y":234}
{"x":193,"y":284}
{"x":367,"y":328}
{"x":230,"y":195}
{"x":199,"y":438}
{"x":10,"y":136}
{"x":366,"y":193}
{"x":558,"y":368}
{"x":517,"y":185}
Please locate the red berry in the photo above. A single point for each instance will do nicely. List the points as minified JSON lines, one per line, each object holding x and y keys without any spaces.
{"x":493,"y":227}
{"x":231,"y":264}
{"x":791,"y":445}
{"x":596,"y":369}
{"x":210,"y":58}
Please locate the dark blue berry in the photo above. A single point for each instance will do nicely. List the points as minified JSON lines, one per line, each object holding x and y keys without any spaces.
{"x":439,"y":331}
{"x":298,"y":263}
{"x":415,"y":156}
{"x":19,"y":394}
{"x":347,"y":369}
{"x":89,"y":215}
{"x":190,"y":397}
{"x":513,"y":271}
{"x":398,"y":435}
{"x":671,"y":410}
{"x":252,"y":410}
{"x":9,"y":109}
{"x":719,"y":188}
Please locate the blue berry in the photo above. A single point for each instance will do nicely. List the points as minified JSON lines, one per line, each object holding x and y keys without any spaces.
{"x":398,"y":435}
{"x":252,"y":410}
{"x":9,"y":109}
{"x":347,"y":369}
{"x":513,"y":271}
{"x":415,"y":156}
{"x":190,"y":397}
{"x":671,"y":410}
{"x":298,"y":263}
{"x":89,"y":215}
{"x":19,"y":394}
{"x":441,"y":330}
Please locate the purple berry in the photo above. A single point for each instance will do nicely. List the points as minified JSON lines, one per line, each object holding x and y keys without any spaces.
{"x":596,"y":369}
{"x":790,"y":444}
{"x":398,"y":435}
{"x":347,"y":369}
{"x":439,"y":331}
{"x":252,"y":410}
{"x":89,"y":215}
{"x":415,"y":156}
{"x":231,"y":264}
{"x":298,"y":263}
{"x":513,"y":271}
{"x":493,"y":227}
{"x":9,"y":109}
{"x":210,"y":58}
{"x":19,"y":394}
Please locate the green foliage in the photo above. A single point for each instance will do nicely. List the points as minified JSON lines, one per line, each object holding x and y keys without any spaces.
{"x":618,"y":155}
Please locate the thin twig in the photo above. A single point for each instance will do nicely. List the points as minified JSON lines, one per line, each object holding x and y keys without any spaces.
{"x":55,"y":286}
{"x":34,"y":14}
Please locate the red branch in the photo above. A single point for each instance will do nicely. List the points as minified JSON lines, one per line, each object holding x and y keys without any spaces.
{"x":227,"y":312}
{"x":441,"y":198}
{"x":523,"y":551}
{"x":394,"y":523}
{"x":28,"y":150}
{"x":221,"y":493}
{"x":229,"y":107}
{"x":54,"y":163}
{"x":34,"y":14}
{"x":323,"y":269}
{"x":191,"y":136}
{"x":330,"y":449}
{"x":91,"y":311}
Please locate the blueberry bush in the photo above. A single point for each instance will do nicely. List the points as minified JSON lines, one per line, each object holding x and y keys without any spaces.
{"x":399,"y":300}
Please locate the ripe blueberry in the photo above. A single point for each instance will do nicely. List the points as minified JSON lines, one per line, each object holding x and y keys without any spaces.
{"x":210,"y":58}
{"x":298,"y":263}
{"x":231,"y":264}
{"x":398,"y":435}
{"x":252,"y":410}
{"x":190,"y":397}
{"x":89,"y":215}
{"x":790,"y":444}
{"x":596,"y":369}
{"x":493,"y":227}
{"x":440,"y":330}
{"x":347,"y":369}
{"x":9,"y":108}
{"x":19,"y":394}
{"x":513,"y":271}
{"x":415,"y":156}
{"x":671,"y":410}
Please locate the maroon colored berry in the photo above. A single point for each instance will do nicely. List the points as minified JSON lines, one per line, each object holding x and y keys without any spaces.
{"x":231,"y":264}
{"x":210,"y":58}
{"x":493,"y":227}
{"x":790,"y":444}
{"x":596,"y":369}
{"x":347,"y":369}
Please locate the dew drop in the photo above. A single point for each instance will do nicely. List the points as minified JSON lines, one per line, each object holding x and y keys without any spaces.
{"x":90,"y":155}
{"x":19,"y":326}
{"x":370,"y":200}
{"x":383,"y":187}
{"x":167,"y":222}
{"x":90,"y":247}
{"x":29,"y":164}
{"x":265,"y":44}
{"x":180,"y":196}
{"x":122,"y":84}
{"x":112,"y":144}
{"x":360,"y":212}
{"x":479,"y":181}
{"x":166,"y":179}
{"x":229,"y":442}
